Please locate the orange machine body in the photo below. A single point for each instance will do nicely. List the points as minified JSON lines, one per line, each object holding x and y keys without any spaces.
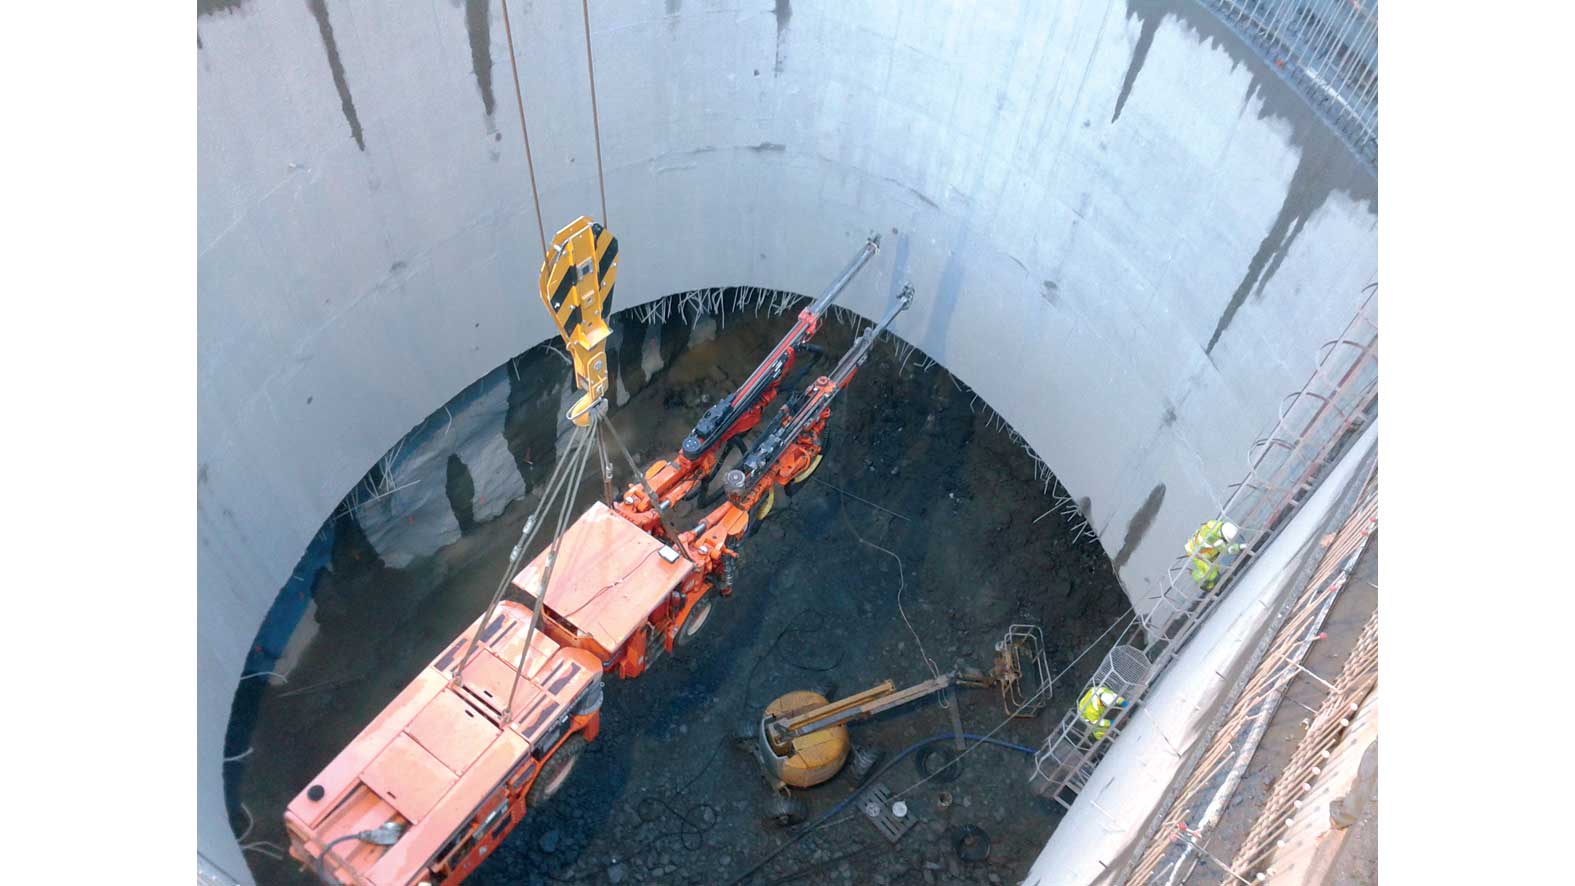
{"x":451,"y":762}
{"x":673,"y":480}
{"x":453,"y":756}
{"x":616,"y":591}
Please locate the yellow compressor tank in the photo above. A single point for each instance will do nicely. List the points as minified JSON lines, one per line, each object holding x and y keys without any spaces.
{"x":809,"y":759}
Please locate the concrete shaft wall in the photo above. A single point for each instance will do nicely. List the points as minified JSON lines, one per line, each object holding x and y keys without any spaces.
{"x":1125,"y":233}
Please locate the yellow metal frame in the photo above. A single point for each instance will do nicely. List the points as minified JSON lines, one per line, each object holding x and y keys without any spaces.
{"x":576,"y":285}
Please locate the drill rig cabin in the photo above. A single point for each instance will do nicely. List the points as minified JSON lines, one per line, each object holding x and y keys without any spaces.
{"x":494,"y":725}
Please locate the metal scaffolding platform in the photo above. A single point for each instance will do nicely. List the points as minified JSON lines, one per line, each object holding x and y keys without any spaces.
{"x":1315,"y":426}
{"x":1181,"y":836}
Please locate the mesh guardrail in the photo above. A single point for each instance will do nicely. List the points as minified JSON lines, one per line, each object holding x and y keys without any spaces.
{"x":1327,"y":49}
{"x":1314,"y":427}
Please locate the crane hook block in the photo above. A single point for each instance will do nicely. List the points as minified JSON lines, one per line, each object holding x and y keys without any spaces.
{"x":577,"y":277}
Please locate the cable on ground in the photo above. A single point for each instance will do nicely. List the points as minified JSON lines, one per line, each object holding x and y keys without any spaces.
{"x":902,"y":585}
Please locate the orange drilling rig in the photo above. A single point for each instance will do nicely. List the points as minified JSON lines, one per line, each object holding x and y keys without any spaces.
{"x":496,"y":722}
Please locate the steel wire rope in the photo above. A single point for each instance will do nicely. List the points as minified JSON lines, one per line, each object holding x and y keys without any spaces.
{"x":596,"y":122}
{"x":527,"y":535}
{"x":564,"y":510}
{"x":519,"y":101}
{"x":902,"y":585}
{"x":656,"y":503}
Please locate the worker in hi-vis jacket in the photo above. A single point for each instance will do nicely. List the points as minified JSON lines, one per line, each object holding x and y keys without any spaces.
{"x":1095,"y":704}
{"x":1212,"y":539}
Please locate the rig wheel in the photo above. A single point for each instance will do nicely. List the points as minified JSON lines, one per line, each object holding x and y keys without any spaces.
{"x":797,"y":482}
{"x":785,"y":811}
{"x":695,"y":621}
{"x":939,"y":763}
{"x":555,"y":771}
{"x":744,"y":733}
{"x":863,"y":761}
{"x":761,"y":511}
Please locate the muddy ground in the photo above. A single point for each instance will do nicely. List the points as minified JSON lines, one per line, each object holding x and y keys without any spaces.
{"x":917,"y":497}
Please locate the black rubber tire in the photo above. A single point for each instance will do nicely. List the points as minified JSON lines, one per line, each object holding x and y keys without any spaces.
{"x":762,"y":509}
{"x":555,"y":771}
{"x":694,"y":624}
{"x":784,"y":812}
{"x":863,"y":762}
{"x":971,"y":843}
{"x":793,"y":487}
{"x":744,"y":733}
{"x":934,"y":769}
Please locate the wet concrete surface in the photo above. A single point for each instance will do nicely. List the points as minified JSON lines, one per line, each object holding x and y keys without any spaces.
{"x":917,"y":495}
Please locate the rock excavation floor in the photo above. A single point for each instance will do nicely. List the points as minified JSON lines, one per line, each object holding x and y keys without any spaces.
{"x":915,"y":542}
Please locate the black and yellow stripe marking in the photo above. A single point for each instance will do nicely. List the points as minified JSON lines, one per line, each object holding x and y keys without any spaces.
{"x":576,"y":286}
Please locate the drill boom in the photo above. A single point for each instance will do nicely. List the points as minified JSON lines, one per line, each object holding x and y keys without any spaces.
{"x":718,"y":421}
{"x":792,"y":423}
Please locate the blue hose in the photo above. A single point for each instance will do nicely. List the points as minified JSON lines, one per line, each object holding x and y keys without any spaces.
{"x":827,"y":815}
{"x":950,"y":736}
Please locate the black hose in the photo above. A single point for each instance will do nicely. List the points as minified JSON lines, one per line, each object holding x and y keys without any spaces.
{"x":709,"y":497}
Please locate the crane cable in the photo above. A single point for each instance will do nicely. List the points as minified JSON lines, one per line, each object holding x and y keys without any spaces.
{"x":596,"y":120}
{"x":567,"y":476}
{"x":564,"y":511}
{"x":578,"y":444}
{"x":519,"y":101}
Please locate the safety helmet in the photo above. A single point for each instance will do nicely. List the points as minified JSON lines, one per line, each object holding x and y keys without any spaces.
{"x":1229,"y":530}
{"x":1107,"y":697}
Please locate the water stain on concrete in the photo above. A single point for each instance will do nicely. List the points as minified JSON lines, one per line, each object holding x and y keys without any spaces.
{"x":1051,"y":291}
{"x":1138,"y":526}
{"x":1326,"y":163}
{"x":626,"y":355}
{"x":1309,"y":190}
{"x":530,"y":421}
{"x":784,"y":14}
{"x":948,"y":289}
{"x":1148,"y":26}
{"x":213,"y":7}
{"x":461,"y":489}
{"x":767,"y":147}
{"x":325,"y":28}
{"x":674,"y":6}
{"x":478,"y":24}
